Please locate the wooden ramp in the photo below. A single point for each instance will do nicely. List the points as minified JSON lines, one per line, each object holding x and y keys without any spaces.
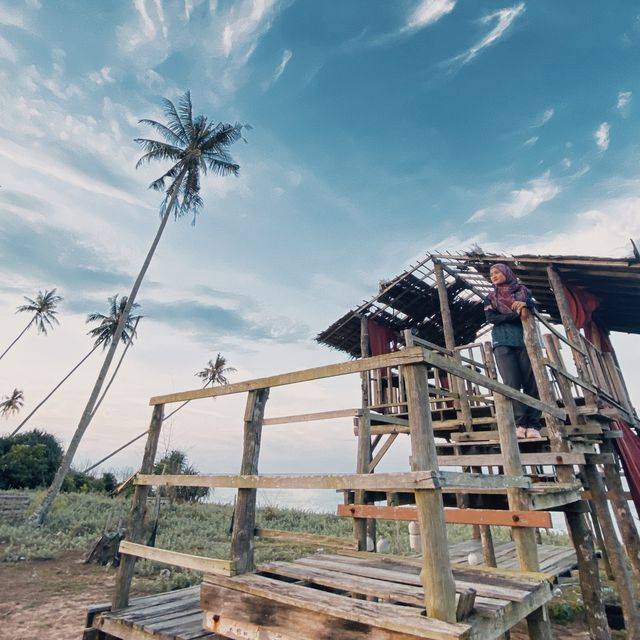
{"x":355,"y":597}
{"x":555,"y":560}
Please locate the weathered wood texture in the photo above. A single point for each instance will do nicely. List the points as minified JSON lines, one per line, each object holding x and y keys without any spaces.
{"x":436,"y":570}
{"x":13,"y":507}
{"x":244,"y":522}
{"x":135,"y":524}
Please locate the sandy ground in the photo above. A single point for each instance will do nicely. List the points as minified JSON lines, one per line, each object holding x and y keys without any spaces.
{"x":48,"y":599}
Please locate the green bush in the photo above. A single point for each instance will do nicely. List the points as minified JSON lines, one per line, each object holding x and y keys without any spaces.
{"x":80,"y":482}
{"x":28,"y":460}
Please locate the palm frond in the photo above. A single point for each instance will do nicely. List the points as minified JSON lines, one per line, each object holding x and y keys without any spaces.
{"x":156,"y":150}
{"x":12,"y":404}
{"x":165,"y":131}
{"x":107,"y":324}
{"x":185,"y":111}
{"x":43,"y":308}
{"x":173,"y":120}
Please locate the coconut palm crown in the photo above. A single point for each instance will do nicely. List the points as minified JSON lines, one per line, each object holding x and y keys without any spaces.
{"x":43,"y":308}
{"x":216,"y":372}
{"x":106,"y":329}
{"x":195,"y":146}
{"x":12,"y":404}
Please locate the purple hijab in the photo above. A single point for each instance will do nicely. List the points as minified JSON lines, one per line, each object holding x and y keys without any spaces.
{"x":504,"y":295}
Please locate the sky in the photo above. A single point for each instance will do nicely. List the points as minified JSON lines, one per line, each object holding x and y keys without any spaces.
{"x":380,"y":131}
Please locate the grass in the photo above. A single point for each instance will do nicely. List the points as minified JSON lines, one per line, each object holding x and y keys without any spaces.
{"x":78,"y":520}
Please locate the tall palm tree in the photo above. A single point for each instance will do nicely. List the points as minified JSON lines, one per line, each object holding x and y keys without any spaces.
{"x":44,"y":311}
{"x":102,"y":335}
{"x":216,"y":372}
{"x":12,"y":404}
{"x":193,"y":146}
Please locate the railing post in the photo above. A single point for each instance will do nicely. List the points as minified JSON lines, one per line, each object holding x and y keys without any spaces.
{"x":135,"y":525}
{"x":244,"y":523}
{"x":436,"y":575}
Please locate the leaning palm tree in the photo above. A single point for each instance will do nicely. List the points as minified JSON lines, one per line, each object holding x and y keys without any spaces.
{"x":102,"y":336}
{"x":12,"y":404}
{"x":193,"y":146}
{"x":43,"y":308}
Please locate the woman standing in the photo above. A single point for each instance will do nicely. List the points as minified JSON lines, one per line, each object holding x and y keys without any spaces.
{"x":504,"y":308}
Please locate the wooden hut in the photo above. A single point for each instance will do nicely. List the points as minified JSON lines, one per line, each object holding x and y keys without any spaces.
{"x":425,"y":374}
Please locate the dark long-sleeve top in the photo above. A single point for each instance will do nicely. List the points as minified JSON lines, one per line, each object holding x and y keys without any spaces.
{"x":507,"y":327}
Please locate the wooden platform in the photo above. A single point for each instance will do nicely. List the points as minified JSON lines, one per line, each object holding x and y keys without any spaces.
{"x":318,"y":589}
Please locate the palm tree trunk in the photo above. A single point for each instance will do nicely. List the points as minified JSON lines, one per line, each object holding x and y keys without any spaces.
{"x":42,"y":514}
{"x":13,"y":433}
{"x":4,"y":353}
{"x":115,"y":373}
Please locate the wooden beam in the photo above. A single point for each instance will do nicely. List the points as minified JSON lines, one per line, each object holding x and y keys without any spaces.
{"x":494,"y":517}
{"x":185,"y":560}
{"x":301,"y":537}
{"x":309,"y":417}
{"x":406,"y":356}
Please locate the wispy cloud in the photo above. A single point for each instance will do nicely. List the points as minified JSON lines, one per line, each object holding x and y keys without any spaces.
{"x":7,"y":50}
{"x":544,"y":117}
{"x":102,"y":77}
{"x":428,"y":12}
{"x":286,"y":56}
{"x":531,"y":141}
{"x":502,"y":20}
{"x":601,"y":136}
{"x":521,"y":202}
{"x":623,"y":105}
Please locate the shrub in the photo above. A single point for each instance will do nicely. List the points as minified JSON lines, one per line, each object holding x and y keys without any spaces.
{"x":28,"y":460}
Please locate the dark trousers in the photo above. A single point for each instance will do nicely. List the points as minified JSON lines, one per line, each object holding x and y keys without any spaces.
{"x":515,"y":369}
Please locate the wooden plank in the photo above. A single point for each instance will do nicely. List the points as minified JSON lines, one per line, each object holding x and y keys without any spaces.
{"x":512,"y":518}
{"x":309,"y":417}
{"x":185,"y":560}
{"x":306,"y":538}
{"x":287,"y":613}
{"x":384,"y":481}
{"x":406,"y":356}
{"x":497,"y":460}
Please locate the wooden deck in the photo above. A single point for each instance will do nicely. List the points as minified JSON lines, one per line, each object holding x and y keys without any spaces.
{"x":340,"y":596}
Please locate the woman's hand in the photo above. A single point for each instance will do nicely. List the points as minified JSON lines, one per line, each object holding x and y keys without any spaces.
{"x":518,"y":306}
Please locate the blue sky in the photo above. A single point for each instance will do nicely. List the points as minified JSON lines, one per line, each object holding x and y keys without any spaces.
{"x":381,"y":130}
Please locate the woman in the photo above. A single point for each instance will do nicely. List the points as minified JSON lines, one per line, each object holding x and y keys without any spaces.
{"x":503,"y":308}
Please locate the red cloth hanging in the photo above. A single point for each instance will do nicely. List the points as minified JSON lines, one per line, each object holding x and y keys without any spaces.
{"x":381,"y":338}
{"x":582,"y":305}
{"x":629,"y":449}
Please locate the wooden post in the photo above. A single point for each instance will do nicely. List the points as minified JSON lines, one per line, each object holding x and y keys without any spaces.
{"x":436,"y":575}
{"x":244,"y":523}
{"x":135,"y":524}
{"x":523,"y":538}
{"x":362,"y":466}
{"x":622,"y":512}
{"x":573,"y":333}
{"x":576,"y":522}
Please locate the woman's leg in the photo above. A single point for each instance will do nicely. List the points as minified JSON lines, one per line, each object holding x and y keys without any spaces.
{"x":509,"y":367}
{"x":533,"y":416}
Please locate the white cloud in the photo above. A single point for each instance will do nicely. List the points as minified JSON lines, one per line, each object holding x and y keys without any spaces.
{"x":7,"y":50}
{"x":428,"y":12}
{"x":544,"y":117}
{"x":286,"y":56}
{"x":503,"y":19}
{"x":521,"y":202}
{"x":102,"y":77}
{"x":601,"y":136}
{"x":566,"y":163}
{"x":531,"y":141}
{"x":623,"y":105}
{"x":11,"y":17}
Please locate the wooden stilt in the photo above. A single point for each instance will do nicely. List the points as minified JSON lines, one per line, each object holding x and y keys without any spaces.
{"x":580,"y":533}
{"x":436,"y":575}
{"x":244,"y":523}
{"x":135,"y":524}
{"x":362,"y":466}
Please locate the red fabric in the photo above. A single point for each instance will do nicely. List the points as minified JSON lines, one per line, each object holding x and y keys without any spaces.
{"x":629,"y":450}
{"x":582,"y":305}
{"x":381,"y":339}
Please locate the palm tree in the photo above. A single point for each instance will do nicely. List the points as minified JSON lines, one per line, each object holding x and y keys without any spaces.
{"x":12,"y":404}
{"x":216,"y":372}
{"x":44,"y":312}
{"x":193,"y":146}
{"x":102,"y":335}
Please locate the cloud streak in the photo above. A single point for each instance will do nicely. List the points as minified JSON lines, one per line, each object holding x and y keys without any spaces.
{"x":503,"y":19}
{"x":601,"y":136}
{"x":521,"y":202}
{"x":623,"y":105}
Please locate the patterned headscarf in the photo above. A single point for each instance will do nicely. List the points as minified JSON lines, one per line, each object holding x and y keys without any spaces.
{"x":510,"y":291}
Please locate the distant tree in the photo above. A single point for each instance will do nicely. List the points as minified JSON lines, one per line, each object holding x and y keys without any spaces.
{"x":12,"y":404}
{"x":175,"y":463}
{"x":102,"y":335}
{"x":43,"y":308}
{"x":28,"y":460}
{"x":215,"y":372}
{"x":81,"y":482}
{"x":193,"y":146}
